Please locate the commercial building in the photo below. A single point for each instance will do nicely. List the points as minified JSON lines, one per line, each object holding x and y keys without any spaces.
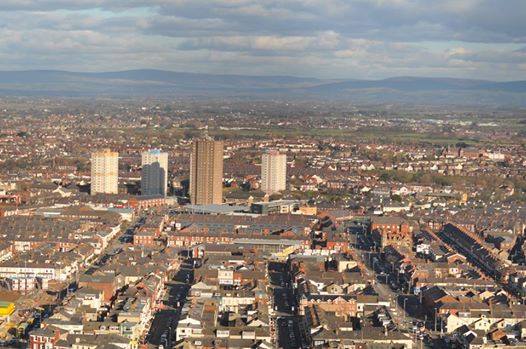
{"x":104,"y":172}
{"x":392,"y":231}
{"x":275,"y":207}
{"x":154,"y":174}
{"x":206,"y":172}
{"x":273,"y":172}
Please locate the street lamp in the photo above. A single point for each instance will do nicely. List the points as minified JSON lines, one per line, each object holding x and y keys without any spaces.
{"x":436,"y":316}
{"x":405,"y":300}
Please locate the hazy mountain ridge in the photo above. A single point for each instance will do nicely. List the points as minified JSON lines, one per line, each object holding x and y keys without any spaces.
{"x":159,"y":83}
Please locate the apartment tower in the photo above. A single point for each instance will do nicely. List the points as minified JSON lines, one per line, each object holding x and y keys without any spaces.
{"x":206,"y":172}
{"x":154,"y":173}
{"x":273,"y":172}
{"x":104,"y":172}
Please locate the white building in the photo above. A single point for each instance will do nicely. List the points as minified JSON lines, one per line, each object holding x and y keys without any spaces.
{"x":105,"y":172}
{"x":154,"y":175}
{"x":273,"y":172}
{"x":42,"y":271}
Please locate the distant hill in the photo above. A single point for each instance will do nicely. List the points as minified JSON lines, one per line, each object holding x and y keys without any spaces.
{"x":159,"y":83}
{"x":423,"y":84}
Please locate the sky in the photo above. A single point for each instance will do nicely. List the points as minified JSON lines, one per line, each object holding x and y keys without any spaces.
{"x":362,"y":39}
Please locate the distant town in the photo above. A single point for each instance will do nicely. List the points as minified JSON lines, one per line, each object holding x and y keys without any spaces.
{"x":216,"y":223}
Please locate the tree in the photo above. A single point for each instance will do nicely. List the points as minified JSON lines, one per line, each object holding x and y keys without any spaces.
{"x":396,"y":198}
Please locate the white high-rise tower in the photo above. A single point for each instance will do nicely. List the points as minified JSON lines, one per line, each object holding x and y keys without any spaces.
{"x":105,"y":172}
{"x":154,"y":174}
{"x":273,"y":172}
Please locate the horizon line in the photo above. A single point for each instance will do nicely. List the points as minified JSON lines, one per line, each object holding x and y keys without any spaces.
{"x":257,"y":76}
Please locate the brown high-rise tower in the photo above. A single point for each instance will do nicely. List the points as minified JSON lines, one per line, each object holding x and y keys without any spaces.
{"x":206,"y":172}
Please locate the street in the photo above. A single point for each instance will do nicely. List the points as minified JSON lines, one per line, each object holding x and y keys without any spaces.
{"x":290,"y":329}
{"x":165,"y":321}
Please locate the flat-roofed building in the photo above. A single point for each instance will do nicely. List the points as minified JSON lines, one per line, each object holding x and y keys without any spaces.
{"x":206,"y":172}
{"x":154,"y":173}
{"x":105,"y":172}
{"x":273,"y":172}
